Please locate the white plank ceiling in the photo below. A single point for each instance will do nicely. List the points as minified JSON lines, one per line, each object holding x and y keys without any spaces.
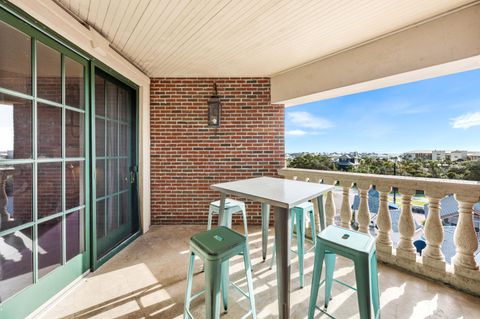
{"x":244,"y":37}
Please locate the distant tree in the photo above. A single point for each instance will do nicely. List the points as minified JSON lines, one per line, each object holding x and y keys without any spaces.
{"x":473,"y":171}
{"x":312,"y":161}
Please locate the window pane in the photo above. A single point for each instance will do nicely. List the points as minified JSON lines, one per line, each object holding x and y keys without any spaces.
{"x":15,"y":195}
{"x":16,"y":265}
{"x":123,"y":140}
{"x":112,"y":138}
{"x":112,"y":105}
{"x":99,"y":96}
{"x":100,"y":177}
{"x":74,"y":184}
{"x":75,"y":225}
{"x":49,"y":131}
{"x":100,"y":137}
{"x":112,"y":177}
{"x":100,"y":219}
{"x":49,"y":245}
{"x":15,"y":127}
{"x":15,"y":60}
{"x":74,"y":84}
{"x":125,"y":210}
{"x":49,"y":80}
{"x":49,"y":190}
{"x":122,"y":104}
{"x":124,"y":174}
{"x":74,"y":139}
{"x":112,"y":213}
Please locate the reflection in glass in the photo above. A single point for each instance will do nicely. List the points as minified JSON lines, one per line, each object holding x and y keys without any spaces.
{"x":100,"y":137}
{"x":112,"y":213}
{"x":122,"y":104}
{"x":112,"y":177}
{"x":99,"y":96}
{"x":15,"y":195}
{"x":49,"y":245}
{"x":100,"y":177}
{"x":49,"y":80}
{"x":74,"y":84}
{"x":16,"y":262}
{"x":100,"y":214}
{"x":75,"y":225}
{"x":123,"y":140}
{"x":49,"y":189}
{"x":74,"y":188}
{"x":74,"y":139}
{"x":15,"y":127}
{"x":112,"y":102}
{"x":15,"y":60}
{"x":49,"y":124}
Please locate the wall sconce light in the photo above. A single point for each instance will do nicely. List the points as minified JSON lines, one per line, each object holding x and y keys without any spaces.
{"x":214,"y":109}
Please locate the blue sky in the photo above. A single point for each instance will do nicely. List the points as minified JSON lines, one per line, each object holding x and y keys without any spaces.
{"x":439,"y":113}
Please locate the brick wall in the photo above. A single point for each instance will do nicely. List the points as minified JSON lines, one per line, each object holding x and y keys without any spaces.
{"x":187,"y":156}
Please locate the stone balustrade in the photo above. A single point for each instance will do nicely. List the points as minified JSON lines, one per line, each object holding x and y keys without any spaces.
{"x":464,"y":271}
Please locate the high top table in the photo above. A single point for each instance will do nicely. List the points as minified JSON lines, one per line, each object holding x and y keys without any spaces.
{"x":283,"y":195}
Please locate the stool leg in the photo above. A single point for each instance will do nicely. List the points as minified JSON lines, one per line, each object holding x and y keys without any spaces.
{"x":265,"y":224}
{"x":300,"y":242}
{"x":374,"y":285}
{"x":212,"y":289}
{"x":317,"y":272}
{"x":362,"y":277}
{"x":210,"y":213}
{"x":245,"y":228}
{"x":224,"y":287}
{"x":188,"y":293}
{"x":329,"y":269}
{"x":248,"y":274}
{"x":313,"y":227}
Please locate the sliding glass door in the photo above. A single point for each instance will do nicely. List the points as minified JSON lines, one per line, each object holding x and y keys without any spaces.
{"x":44,"y":238}
{"x":116,"y":214}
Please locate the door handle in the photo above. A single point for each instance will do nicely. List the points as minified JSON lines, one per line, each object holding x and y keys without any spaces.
{"x":132,"y":177}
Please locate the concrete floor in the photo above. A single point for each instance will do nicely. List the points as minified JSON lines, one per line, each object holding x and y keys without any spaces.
{"x":147,"y":280}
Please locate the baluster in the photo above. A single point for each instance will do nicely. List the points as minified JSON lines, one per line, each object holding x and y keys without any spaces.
{"x":330,"y":209}
{"x":406,"y":226}
{"x":346,"y":211}
{"x":363,"y":209}
{"x":384,"y":222}
{"x":432,"y":255}
{"x":466,"y":241}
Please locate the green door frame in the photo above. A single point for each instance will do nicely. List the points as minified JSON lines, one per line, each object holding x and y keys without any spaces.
{"x":27,"y":300}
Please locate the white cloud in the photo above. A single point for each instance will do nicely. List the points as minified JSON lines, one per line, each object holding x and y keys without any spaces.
{"x":296,"y":133}
{"x":307,"y":120}
{"x":466,"y":120}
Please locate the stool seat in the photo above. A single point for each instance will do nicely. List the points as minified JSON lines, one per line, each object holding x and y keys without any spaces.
{"x":231,"y":207}
{"x":229,"y":203}
{"x":218,"y":242}
{"x":348,"y":239}
{"x":305,"y":206}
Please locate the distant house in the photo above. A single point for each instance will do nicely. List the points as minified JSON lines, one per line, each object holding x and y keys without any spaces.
{"x":449,"y":211}
{"x":345,"y":161}
{"x":438,"y":155}
{"x":458,"y":156}
{"x":418,"y":154}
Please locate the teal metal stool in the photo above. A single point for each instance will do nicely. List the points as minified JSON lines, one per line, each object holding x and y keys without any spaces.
{"x":299,"y":213}
{"x":215,"y":247}
{"x":231,"y":207}
{"x":353,"y":245}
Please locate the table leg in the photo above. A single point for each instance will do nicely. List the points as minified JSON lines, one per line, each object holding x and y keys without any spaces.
{"x":282,"y":247}
{"x":265,"y":224}
{"x":321,"y":212}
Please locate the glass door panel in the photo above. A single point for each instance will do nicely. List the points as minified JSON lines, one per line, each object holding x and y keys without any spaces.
{"x":43,"y":165}
{"x":115,"y":164}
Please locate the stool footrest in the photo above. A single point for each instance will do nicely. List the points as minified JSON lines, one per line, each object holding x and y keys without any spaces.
{"x":240,"y":290}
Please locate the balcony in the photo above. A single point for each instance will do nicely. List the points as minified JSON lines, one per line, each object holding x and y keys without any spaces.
{"x":145,"y":281}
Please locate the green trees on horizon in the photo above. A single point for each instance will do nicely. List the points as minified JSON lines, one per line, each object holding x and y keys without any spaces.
{"x":466,"y":170}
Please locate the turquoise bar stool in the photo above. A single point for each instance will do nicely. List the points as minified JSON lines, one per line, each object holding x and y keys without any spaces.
{"x":353,"y":245}
{"x":231,"y":207}
{"x":215,"y":247}
{"x":299,"y":214}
